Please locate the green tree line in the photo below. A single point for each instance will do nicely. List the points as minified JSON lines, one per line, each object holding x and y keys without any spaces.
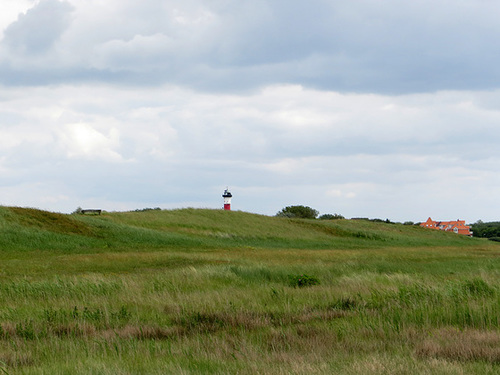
{"x":486,"y":230}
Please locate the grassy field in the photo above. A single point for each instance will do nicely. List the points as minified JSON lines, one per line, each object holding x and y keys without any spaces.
{"x":212,"y":292}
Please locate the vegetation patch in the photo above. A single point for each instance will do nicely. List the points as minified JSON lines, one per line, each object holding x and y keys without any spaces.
{"x":302,"y":280}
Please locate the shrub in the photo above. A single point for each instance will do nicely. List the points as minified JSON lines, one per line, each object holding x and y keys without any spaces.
{"x":302,"y":212}
{"x":331,"y":217}
{"x":299,"y":281}
{"x":147,"y":209}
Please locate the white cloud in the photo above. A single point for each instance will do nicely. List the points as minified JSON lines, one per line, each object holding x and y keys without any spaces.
{"x":337,"y":193}
{"x":137,"y":53}
{"x":362,"y":156}
{"x":82,"y":140}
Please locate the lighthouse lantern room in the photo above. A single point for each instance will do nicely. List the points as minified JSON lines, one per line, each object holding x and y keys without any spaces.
{"x":227,"y":199}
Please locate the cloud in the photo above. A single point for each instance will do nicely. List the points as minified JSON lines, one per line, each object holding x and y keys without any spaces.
{"x":10,"y":10}
{"x":348,"y":107}
{"x":360,"y":155}
{"x":137,"y":53}
{"x":36,"y":31}
{"x":82,"y":140}
{"x":356,"y":46}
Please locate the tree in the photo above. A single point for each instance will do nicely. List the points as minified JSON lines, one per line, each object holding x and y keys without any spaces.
{"x":302,"y":212}
{"x":486,"y":230}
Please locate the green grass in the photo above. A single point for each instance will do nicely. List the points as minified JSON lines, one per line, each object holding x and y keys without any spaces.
{"x":208,"y":291}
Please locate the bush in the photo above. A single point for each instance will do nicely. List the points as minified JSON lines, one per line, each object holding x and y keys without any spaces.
{"x":78,"y":211}
{"x":331,"y":217}
{"x":302,"y":212}
{"x":299,"y":281}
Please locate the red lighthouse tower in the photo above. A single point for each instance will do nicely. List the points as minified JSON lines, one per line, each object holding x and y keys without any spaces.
{"x":227,"y":199}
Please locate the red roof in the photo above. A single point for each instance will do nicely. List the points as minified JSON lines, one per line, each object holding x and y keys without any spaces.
{"x":457,"y":226}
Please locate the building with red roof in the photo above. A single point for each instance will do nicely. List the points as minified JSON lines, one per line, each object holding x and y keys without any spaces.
{"x":457,"y":226}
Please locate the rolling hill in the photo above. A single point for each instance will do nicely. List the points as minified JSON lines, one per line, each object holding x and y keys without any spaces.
{"x":212,"y":291}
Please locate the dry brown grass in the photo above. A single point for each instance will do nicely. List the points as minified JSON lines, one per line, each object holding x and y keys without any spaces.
{"x":16,"y":359}
{"x":456,"y":345}
{"x":250,"y":320}
{"x":72,"y":330}
{"x":51,"y":221}
{"x":142,"y":333}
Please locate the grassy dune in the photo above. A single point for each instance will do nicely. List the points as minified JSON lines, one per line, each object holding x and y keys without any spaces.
{"x":207,"y":291}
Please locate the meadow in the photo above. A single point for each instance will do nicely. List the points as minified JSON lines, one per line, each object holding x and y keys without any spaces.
{"x":198,"y":291}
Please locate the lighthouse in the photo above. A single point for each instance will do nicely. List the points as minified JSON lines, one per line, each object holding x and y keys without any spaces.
{"x":227,"y":199}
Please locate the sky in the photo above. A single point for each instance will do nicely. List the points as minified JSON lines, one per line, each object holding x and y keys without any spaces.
{"x":361,"y":108}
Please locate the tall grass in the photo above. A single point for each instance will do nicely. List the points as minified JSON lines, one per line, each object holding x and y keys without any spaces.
{"x":206,"y":291}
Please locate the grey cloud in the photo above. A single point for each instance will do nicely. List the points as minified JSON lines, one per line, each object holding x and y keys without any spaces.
{"x":39,"y":28}
{"x":356,"y":46}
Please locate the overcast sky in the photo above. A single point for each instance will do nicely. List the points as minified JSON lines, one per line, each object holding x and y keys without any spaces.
{"x":363,"y":108}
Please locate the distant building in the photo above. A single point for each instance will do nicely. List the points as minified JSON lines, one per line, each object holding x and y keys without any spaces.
{"x":457,"y":226}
